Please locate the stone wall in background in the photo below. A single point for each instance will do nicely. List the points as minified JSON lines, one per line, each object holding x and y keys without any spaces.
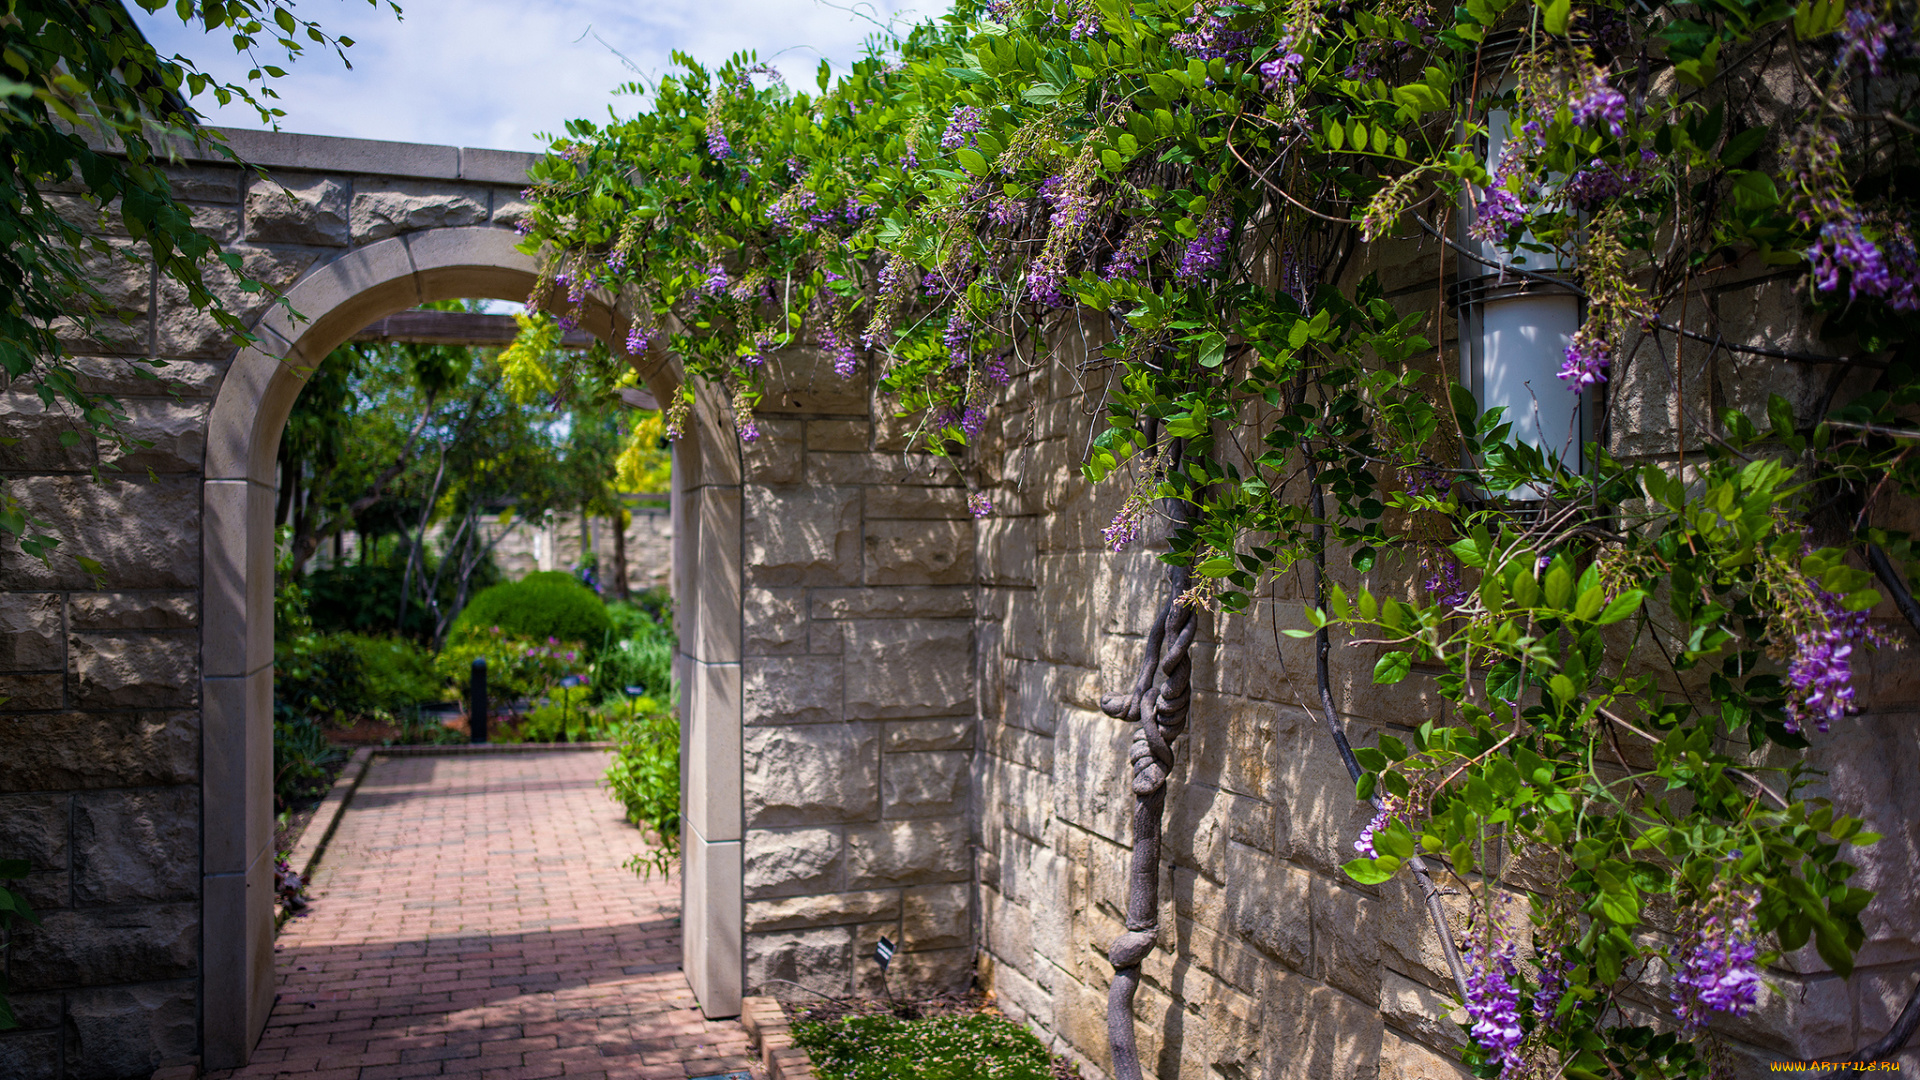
{"x":554,"y":544}
{"x":1272,"y":963}
{"x":858,"y":696}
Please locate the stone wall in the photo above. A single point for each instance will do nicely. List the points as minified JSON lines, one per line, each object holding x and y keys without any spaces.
{"x":554,"y":544}
{"x":858,"y":696}
{"x":142,"y":806}
{"x":1272,"y":964}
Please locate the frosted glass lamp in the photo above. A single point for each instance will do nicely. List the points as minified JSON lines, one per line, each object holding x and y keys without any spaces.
{"x":1515,"y":330}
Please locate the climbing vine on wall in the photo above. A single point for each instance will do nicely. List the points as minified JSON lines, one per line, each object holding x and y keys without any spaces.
{"x":1635,"y":654}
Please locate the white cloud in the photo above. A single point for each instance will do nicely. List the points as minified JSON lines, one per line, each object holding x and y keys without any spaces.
{"x":494,"y":73}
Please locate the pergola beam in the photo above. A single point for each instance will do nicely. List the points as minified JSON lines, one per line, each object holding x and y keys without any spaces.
{"x":456,"y":328}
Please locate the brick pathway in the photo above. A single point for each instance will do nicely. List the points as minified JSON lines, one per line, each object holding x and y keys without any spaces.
{"x":470,"y":919}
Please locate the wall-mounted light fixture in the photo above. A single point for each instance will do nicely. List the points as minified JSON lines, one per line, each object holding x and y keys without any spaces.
{"x":1514,"y":329}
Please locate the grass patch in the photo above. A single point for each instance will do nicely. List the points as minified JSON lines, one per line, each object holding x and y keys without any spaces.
{"x":953,"y":1046}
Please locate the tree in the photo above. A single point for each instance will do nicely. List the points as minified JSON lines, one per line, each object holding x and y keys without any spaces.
{"x":84,"y":96}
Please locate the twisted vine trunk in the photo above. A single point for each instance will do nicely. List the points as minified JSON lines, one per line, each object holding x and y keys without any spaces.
{"x":1158,"y":704}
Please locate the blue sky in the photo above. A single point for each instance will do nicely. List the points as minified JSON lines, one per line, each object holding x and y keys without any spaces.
{"x":494,"y":73}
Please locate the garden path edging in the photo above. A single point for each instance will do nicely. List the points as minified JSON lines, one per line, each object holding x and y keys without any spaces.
{"x":313,"y":839}
{"x":771,"y":1035}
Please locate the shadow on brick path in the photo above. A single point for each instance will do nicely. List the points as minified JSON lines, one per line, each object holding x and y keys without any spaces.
{"x":470,"y":919}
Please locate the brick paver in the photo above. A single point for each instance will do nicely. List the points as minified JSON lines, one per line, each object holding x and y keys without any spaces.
{"x":470,"y":919}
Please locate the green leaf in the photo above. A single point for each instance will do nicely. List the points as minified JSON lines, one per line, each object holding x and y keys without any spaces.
{"x":971,"y":160}
{"x":1213,"y":350}
{"x":1391,"y":668}
{"x":1818,"y":18}
{"x":1372,"y":871}
{"x":1559,"y":585}
{"x":1623,"y":605}
{"x":1395,"y":840}
{"x":1556,"y":16}
{"x":1590,"y":603}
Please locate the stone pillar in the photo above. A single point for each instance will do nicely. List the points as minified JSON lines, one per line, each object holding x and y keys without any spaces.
{"x":857,"y":696}
{"x":706,"y":533}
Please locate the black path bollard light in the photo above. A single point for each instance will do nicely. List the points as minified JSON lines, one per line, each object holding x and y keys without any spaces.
{"x":477,"y":701}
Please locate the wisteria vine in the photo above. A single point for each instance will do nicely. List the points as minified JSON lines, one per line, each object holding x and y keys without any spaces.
{"x":1221,"y":189}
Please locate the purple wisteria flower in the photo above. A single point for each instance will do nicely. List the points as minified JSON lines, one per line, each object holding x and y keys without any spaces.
{"x":1443,"y":580}
{"x":1072,"y":203}
{"x":910,"y":160}
{"x":1887,"y":268}
{"x":1003,"y":210}
{"x":978,"y":504}
{"x":1603,"y":103}
{"x":1500,"y":211}
{"x":1553,"y":985}
{"x":1130,"y":258}
{"x":716,"y":281}
{"x":1045,"y":286}
{"x":1284,"y":68}
{"x":1863,"y":40}
{"x":1716,"y":972}
{"x":1364,"y":845}
{"x":1586,"y":363}
{"x":1209,"y":37}
{"x":846,"y":356}
{"x":1493,"y":1003}
{"x":1820,"y":675}
{"x":973,"y":421}
{"x":638,"y":338}
{"x":1203,"y":253}
{"x":958,"y":338}
{"x":717,"y":145}
{"x":1502,"y":208}
{"x":1125,"y":526}
{"x":1424,"y":481}
{"x":1602,"y":180}
{"x":961,"y":126}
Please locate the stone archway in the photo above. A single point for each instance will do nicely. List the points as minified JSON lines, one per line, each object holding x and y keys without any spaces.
{"x":824,"y":582}
{"x":243,"y":434}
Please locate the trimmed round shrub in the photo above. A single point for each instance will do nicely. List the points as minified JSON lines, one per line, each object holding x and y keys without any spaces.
{"x":555,"y":577}
{"x":539,"y":608}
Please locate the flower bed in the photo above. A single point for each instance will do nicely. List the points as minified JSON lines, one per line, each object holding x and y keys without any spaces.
{"x":938,"y":1039}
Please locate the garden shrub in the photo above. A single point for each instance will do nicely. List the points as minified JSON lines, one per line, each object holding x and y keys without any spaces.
{"x":303,"y":759}
{"x":980,"y":1046}
{"x":539,"y":609}
{"x":566,"y":716}
{"x":518,"y":668}
{"x":645,"y":778}
{"x":343,"y":678}
{"x":397,"y":672}
{"x":555,"y":577}
{"x":643,"y":659}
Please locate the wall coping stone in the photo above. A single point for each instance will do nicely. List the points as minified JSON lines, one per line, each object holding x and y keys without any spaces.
{"x":374,"y":157}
